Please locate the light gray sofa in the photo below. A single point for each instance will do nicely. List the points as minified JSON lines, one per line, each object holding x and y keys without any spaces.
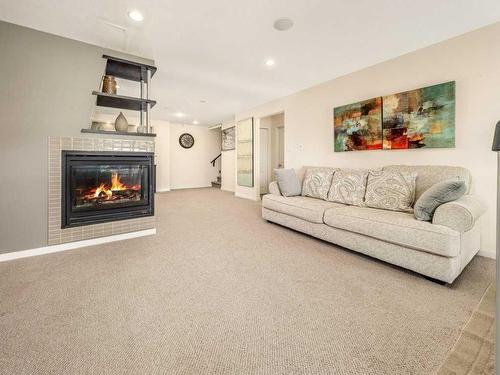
{"x":439,"y":249}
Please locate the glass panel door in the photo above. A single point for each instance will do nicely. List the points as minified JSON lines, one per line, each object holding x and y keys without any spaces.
{"x":244,"y":152}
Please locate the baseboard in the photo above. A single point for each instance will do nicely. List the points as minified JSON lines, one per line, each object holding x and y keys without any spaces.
{"x":227,"y":189}
{"x":74,"y":245}
{"x":250,"y":197}
{"x":162,"y":190}
{"x":487,"y":254}
{"x":190,"y":187}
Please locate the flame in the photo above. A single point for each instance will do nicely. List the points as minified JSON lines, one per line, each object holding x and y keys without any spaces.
{"x":116,"y":184}
{"x":105,"y":192}
{"x":103,"y":189}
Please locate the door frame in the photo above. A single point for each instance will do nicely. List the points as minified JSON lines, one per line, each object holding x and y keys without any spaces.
{"x":267,"y":148}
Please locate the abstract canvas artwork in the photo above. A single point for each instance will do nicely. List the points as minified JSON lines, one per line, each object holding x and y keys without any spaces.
{"x":228,"y":139}
{"x":420,"y":118}
{"x":358,"y":126}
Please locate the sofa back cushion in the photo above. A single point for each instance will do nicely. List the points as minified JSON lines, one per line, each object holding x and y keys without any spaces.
{"x":348,"y":186}
{"x":428,"y":175}
{"x":317,"y":181}
{"x":391,"y":190}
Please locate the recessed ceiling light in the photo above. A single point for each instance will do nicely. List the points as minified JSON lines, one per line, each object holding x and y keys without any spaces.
{"x":179,"y":114}
{"x":203,"y":101}
{"x":136,"y":16}
{"x":283,"y":24}
{"x":195,"y":122}
{"x":270,"y":63}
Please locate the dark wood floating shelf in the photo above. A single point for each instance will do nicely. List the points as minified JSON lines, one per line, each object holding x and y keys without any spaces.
{"x":123,"y":102}
{"x":108,"y":132}
{"x":127,"y":69}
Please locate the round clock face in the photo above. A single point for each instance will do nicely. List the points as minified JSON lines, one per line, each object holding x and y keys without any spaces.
{"x":186,"y":140}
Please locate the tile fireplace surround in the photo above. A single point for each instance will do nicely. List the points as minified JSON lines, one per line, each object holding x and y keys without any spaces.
{"x":56,"y":235}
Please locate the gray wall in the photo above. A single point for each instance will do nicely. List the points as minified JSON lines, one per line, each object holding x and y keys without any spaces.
{"x":45,"y":89}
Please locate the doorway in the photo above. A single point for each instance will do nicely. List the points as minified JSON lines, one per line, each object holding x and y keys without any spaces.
{"x":264,"y":160}
{"x":271,"y":148}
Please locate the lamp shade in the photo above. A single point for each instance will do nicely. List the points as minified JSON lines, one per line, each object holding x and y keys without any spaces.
{"x":496,"y":138}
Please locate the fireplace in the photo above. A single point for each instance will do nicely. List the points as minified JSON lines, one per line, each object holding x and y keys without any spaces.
{"x":99,"y":187}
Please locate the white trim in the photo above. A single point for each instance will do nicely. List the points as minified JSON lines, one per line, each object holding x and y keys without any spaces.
{"x":487,"y":254}
{"x":191,"y":187}
{"x":74,"y":245}
{"x":216,"y":126}
{"x":246,"y":196}
{"x":162,"y":190}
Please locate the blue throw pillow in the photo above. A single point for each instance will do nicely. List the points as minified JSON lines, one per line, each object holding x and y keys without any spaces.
{"x":436,"y":195}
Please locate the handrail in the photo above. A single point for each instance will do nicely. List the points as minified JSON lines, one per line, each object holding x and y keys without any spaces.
{"x":213,"y":161}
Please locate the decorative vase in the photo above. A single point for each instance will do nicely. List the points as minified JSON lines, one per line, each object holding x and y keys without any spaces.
{"x":121,"y":123}
{"x":109,"y":85}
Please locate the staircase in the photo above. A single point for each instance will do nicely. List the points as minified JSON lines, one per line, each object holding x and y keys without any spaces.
{"x":218,"y":182}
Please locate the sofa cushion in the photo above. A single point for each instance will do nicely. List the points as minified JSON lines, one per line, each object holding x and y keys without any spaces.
{"x":391,"y":190}
{"x":428,"y":175}
{"x":399,"y":228}
{"x":348,"y":186}
{"x":310,"y":209}
{"x":317,"y":182}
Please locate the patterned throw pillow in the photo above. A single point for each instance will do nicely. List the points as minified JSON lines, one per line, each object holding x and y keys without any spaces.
{"x":348,"y":186}
{"x":317,"y":182}
{"x":391,"y":190}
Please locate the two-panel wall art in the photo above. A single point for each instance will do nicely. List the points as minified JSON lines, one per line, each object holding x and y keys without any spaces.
{"x":422,"y":118}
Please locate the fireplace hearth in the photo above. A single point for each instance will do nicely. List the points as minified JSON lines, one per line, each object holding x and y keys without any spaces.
{"x":99,"y":187}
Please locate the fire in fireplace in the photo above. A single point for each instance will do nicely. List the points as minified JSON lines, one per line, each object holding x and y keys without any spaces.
{"x":110,"y":190}
{"x":106,"y":186}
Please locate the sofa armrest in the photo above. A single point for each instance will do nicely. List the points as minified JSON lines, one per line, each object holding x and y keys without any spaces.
{"x":274,"y":188}
{"x":460,"y":215}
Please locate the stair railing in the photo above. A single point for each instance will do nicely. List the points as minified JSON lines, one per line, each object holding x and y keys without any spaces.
{"x":213,"y":161}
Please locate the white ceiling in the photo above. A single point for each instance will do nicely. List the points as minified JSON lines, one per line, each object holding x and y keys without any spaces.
{"x":214,"y":50}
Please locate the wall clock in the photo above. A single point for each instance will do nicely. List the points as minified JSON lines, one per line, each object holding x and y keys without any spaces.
{"x":186,"y":140}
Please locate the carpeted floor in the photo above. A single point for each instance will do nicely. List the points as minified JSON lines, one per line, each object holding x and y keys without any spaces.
{"x":474,"y":352}
{"x":220,"y":291}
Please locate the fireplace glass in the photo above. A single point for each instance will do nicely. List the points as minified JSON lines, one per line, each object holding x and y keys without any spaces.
{"x":104,"y":186}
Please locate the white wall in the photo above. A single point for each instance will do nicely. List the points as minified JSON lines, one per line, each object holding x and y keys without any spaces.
{"x":162,"y":151}
{"x":191,"y":168}
{"x":472,"y":60}
{"x":228,"y":165}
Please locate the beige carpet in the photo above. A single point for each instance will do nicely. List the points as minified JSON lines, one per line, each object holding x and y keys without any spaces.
{"x":220,"y":291}
{"x":474,"y":352}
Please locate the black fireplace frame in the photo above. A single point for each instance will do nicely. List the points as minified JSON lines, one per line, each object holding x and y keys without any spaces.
{"x":74,"y":219}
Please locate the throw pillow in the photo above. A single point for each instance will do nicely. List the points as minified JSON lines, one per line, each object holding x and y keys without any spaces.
{"x":391,"y":190}
{"x":348,"y":186}
{"x":288,"y":182}
{"x":317,"y":182}
{"x":436,"y":195}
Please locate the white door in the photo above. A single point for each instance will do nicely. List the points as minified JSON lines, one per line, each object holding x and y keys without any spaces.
{"x":264,"y":160}
{"x":281,"y":147}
